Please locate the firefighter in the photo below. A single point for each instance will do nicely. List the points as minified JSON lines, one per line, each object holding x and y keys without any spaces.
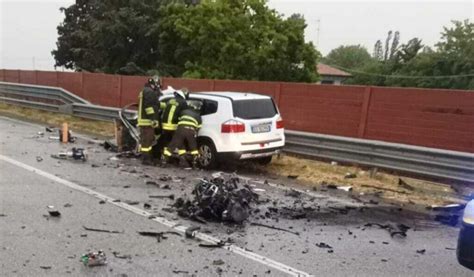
{"x":189,"y":124}
{"x":149,"y":117}
{"x":169,"y":119}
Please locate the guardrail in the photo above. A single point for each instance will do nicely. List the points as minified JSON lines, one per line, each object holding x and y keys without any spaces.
{"x":450,"y":165}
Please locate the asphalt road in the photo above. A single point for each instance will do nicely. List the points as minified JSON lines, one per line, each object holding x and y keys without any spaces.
{"x":34,"y":244}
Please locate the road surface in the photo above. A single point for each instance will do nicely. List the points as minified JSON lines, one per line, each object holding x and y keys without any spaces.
{"x":109,"y":193}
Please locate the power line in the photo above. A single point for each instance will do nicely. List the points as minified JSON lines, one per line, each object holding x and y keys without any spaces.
{"x":404,"y":76}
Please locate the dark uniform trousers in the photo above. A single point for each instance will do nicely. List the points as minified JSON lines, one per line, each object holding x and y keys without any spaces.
{"x":185,"y":136}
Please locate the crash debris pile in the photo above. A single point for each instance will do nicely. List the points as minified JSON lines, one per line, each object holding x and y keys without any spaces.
{"x":218,"y":199}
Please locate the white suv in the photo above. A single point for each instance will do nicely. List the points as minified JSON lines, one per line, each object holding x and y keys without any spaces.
{"x":237,"y":126}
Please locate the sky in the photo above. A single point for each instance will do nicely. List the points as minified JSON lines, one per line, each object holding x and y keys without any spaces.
{"x":28,"y":28}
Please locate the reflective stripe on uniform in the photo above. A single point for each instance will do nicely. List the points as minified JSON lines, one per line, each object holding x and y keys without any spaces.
{"x":145,"y":149}
{"x":186,"y":123}
{"x":194,"y":152}
{"x":150,"y":110}
{"x":144,"y":122}
{"x":169,"y":126}
{"x":187,"y":117}
{"x":181,"y":151}
{"x":171,"y":114}
{"x":167,"y":152}
{"x":162,"y":105}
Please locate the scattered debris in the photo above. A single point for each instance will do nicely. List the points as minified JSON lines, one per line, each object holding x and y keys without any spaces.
{"x":119,"y":256}
{"x":180,"y":271}
{"x":102,"y":202}
{"x":110,"y":146}
{"x":171,"y":196}
{"x":218,"y":199}
{"x":349,"y":175}
{"x":384,"y":260}
{"x":146,"y":206}
{"x":45,"y":267}
{"x":216,"y":245}
{"x":293,"y":177}
{"x":345,"y":188}
{"x":67,"y":205}
{"x":293,"y":193}
{"x":49,"y":129}
{"x":101,"y":230}
{"x":218,"y":262}
{"x":132,"y":203}
{"x":53,"y":211}
{"x":152,"y":183}
{"x":447,"y":208}
{"x":334,"y":163}
{"x":159,"y":235}
{"x":421,"y":251}
{"x":39,"y":159}
{"x":75,"y":153}
{"x":191,"y":231}
{"x":323,"y":245}
{"x":405,"y":185}
{"x":393,"y":229}
{"x":258,"y":190}
{"x":274,"y":228}
{"x":94,"y":258}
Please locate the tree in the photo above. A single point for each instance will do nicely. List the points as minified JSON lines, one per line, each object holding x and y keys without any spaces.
{"x":113,"y":36}
{"x":378,"y":51}
{"x":387,"y":43}
{"x":395,"y":41}
{"x":225,"y":39}
{"x":230,"y":39}
{"x":350,"y":56}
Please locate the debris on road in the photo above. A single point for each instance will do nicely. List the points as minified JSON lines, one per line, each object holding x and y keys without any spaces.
{"x":171,"y":196}
{"x":274,"y":228}
{"x":120,"y":256}
{"x":39,"y":159}
{"x":421,"y":251}
{"x":191,"y":231}
{"x":101,"y":230}
{"x":293,"y":193}
{"x":216,"y":245}
{"x":323,"y":245}
{"x":146,"y":206}
{"x":75,"y":153}
{"x":293,"y":177}
{"x":350,"y":175}
{"x":405,"y":185}
{"x":159,"y":235}
{"x":94,"y":258}
{"x":45,"y":267}
{"x":218,"y":199}
{"x":393,"y":229}
{"x":53,"y":211}
{"x":109,"y":146}
{"x":218,"y":262}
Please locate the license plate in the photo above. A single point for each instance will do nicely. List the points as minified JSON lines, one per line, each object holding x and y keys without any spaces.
{"x":261,"y":128}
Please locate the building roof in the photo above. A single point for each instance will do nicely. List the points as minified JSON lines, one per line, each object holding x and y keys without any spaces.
{"x":324,"y":69}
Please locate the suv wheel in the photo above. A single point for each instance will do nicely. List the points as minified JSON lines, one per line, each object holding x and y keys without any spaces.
{"x":208,"y":155}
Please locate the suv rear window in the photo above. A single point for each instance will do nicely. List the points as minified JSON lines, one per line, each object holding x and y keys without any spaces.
{"x":254,"y":108}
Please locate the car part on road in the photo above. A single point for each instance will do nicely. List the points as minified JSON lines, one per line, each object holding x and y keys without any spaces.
{"x":393,"y":229}
{"x":53,"y":211}
{"x":274,"y":228}
{"x":191,"y":231}
{"x":218,"y":199}
{"x":101,"y":230}
{"x":171,"y":196}
{"x":94,"y":258}
{"x":78,"y":154}
{"x":159,"y":235}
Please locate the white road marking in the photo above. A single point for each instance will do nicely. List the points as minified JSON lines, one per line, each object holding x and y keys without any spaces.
{"x":171,"y":224}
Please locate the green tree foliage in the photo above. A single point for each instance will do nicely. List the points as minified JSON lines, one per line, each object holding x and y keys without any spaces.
{"x":350,"y":56}
{"x":225,"y":39}
{"x":449,"y":65}
{"x":231,"y":39}
{"x":113,"y":36}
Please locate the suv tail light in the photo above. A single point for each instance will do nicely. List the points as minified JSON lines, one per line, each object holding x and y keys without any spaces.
{"x":279,"y":123}
{"x":232,"y":126}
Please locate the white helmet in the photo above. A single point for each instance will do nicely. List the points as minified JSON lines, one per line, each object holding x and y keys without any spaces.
{"x":182,"y":93}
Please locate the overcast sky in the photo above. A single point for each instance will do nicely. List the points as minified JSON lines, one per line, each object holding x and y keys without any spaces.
{"x":28,"y":28}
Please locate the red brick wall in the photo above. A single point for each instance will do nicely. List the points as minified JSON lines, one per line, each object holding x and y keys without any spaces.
{"x":427,"y":117}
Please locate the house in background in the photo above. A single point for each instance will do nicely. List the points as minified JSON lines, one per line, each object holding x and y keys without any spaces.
{"x":330,"y":75}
